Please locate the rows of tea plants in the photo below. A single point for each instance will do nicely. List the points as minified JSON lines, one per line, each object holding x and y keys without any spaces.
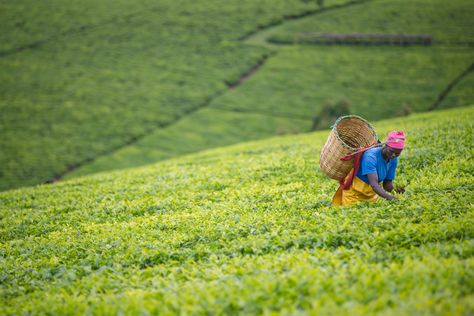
{"x":377,"y":82}
{"x":83,"y":79}
{"x":204,"y":129}
{"x":248,"y":230}
{"x":25,"y":23}
{"x":448,"y":22}
{"x":297,"y":82}
{"x":289,"y":90}
{"x":100,"y":80}
{"x":458,"y":93}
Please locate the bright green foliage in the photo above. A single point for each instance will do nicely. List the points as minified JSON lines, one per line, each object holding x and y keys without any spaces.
{"x":449,"y":22}
{"x":248,"y":230}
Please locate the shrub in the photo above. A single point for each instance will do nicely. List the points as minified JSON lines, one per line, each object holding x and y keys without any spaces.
{"x":330,"y":112}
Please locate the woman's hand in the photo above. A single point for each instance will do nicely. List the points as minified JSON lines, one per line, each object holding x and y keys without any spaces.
{"x":373,"y":181}
{"x":388,"y":185}
{"x":400,"y":189}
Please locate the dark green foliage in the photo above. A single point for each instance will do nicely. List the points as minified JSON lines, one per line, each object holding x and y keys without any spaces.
{"x":448,"y":22}
{"x":83,"y":79}
{"x":319,"y":2}
{"x":107,"y":84}
{"x":405,"y":109}
{"x":330,"y":112}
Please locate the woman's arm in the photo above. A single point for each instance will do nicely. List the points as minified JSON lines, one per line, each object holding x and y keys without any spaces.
{"x":373,"y":181}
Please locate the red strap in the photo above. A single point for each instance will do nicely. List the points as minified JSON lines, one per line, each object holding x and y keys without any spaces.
{"x":356,"y":156}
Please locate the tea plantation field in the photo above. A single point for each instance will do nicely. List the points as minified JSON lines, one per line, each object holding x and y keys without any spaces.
{"x":101,"y":85}
{"x":83,"y":79}
{"x":296,"y":81}
{"x":448,"y":22}
{"x":282,"y":98}
{"x":248,"y":230}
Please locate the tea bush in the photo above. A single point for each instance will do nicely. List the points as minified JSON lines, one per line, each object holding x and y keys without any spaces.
{"x":248,"y":229}
{"x":285,"y":95}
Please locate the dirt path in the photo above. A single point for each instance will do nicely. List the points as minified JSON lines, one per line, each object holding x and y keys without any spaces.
{"x":450,"y":87}
{"x":260,"y":37}
{"x":247,"y":74}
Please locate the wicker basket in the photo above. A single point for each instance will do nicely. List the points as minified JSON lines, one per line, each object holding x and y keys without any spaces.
{"x":348,"y":134}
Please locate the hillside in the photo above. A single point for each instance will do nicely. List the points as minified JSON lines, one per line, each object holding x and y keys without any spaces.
{"x":247,"y":229}
{"x":102,"y":85}
{"x":84,"y":79}
{"x":287,"y":92}
{"x":448,"y":22}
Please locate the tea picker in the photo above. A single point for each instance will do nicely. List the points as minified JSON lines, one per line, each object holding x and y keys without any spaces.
{"x":353,"y":155}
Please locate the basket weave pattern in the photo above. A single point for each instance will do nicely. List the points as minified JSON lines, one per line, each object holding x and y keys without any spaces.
{"x":348,"y":134}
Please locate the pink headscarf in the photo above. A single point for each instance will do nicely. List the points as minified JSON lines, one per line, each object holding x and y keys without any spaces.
{"x":396,"y":139}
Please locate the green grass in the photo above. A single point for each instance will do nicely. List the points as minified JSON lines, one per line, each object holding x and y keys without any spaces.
{"x":449,"y":22}
{"x":247,"y":230}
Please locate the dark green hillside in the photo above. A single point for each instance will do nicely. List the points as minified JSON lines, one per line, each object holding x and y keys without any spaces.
{"x":247,"y":230}
{"x":449,"y":22}
{"x":286,"y":94}
{"x":28,"y":23}
{"x":297,"y":81}
{"x":80,"y":81}
{"x":458,"y":92}
{"x":204,"y":129}
{"x":377,"y":82}
{"x":91,"y":88}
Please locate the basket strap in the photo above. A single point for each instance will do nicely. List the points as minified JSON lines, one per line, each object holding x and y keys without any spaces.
{"x":356,"y":156}
{"x":361,"y":149}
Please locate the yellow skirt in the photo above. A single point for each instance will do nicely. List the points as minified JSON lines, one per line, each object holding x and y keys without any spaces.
{"x":359,"y":191}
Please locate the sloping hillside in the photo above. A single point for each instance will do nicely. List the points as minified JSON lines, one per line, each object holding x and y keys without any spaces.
{"x":100,"y":85}
{"x":292,"y":85}
{"x":84,"y":79}
{"x":247,"y":229}
{"x":448,"y":22}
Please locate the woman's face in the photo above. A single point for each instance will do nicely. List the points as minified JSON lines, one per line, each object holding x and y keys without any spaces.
{"x":390,"y":153}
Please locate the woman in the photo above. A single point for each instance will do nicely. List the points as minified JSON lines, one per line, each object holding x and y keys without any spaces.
{"x":377,"y":165}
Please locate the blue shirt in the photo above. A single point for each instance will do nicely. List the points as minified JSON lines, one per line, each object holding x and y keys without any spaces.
{"x":373,"y":162}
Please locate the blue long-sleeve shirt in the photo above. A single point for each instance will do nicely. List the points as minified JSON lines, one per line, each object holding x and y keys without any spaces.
{"x":372,"y":162}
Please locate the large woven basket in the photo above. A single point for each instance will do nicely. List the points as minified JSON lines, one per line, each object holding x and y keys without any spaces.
{"x":349,"y":133}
